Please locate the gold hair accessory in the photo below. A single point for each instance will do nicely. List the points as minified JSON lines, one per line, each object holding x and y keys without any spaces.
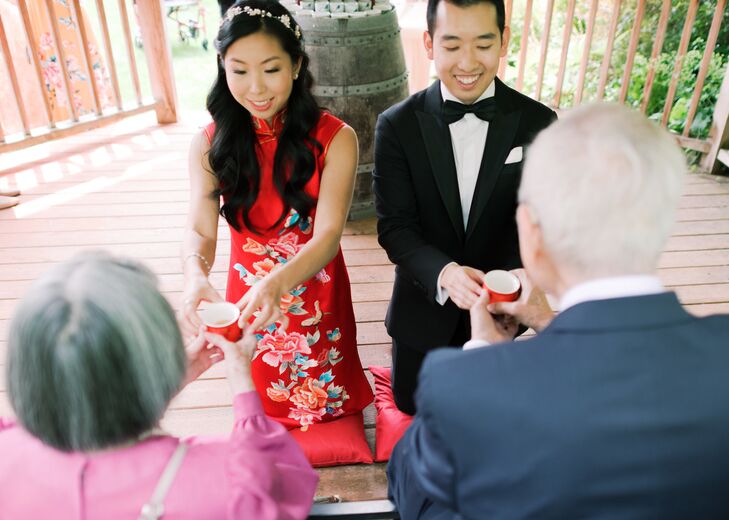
{"x":284,"y":18}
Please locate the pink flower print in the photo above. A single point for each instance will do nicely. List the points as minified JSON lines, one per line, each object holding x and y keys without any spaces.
{"x":46,"y":42}
{"x":287,"y":244}
{"x":281,"y":347}
{"x":309,"y":395}
{"x":52,"y":75}
{"x":306,"y":417}
{"x":251,"y":246}
{"x":323,"y":277}
{"x":264,"y":267}
{"x":278,"y":394}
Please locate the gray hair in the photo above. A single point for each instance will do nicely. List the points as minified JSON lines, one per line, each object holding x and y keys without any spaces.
{"x":95,"y":354}
{"x":604,"y":184}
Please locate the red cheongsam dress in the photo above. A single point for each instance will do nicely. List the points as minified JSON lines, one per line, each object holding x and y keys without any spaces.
{"x":311,"y":373}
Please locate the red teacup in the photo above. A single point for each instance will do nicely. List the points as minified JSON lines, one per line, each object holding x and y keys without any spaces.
{"x":502,"y":286}
{"x":221,"y":318}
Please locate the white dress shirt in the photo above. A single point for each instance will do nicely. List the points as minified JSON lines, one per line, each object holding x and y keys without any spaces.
{"x":468,"y":136}
{"x":599,"y":289}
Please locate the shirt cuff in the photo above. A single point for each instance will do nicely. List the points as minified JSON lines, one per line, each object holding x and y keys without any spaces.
{"x":247,"y":404}
{"x":441,"y":294}
{"x":475,"y":343}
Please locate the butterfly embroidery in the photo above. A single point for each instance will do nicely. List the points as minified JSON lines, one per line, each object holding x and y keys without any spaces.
{"x":314,"y":320}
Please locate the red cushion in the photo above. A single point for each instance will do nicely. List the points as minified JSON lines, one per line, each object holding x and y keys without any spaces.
{"x":334,"y":443}
{"x":391,"y":423}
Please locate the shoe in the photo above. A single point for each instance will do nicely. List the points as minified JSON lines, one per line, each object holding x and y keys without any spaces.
{"x":8,"y":202}
{"x":11,"y":193}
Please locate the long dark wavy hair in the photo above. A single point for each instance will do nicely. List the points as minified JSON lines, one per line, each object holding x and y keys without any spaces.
{"x":232,"y":153}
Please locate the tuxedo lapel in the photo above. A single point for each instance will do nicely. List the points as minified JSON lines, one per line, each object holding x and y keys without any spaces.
{"x":502,"y":131}
{"x":439,"y":148}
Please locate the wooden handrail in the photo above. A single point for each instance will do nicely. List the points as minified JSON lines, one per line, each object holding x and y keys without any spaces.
{"x":130,"y":49}
{"x":566,"y":34}
{"x":544,"y":48}
{"x":586,"y":51}
{"x":109,"y":52}
{"x":719,"y":134}
{"x":75,"y":9}
{"x":678,"y":64}
{"x":605,"y":67}
{"x":61,"y":53}
{"x":32,"y":42}
{"x":657,"y":47}
{"x":159,"y":60}
{"x":13,"y":78}
{"x":507,"y":22}
{"x":634,"y":36}
{"x":524,"y":44}
{"x":705,"y":62}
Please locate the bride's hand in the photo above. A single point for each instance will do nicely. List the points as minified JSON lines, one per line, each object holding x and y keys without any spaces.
{"x":197,"y":289}
{"x":266,"y":297}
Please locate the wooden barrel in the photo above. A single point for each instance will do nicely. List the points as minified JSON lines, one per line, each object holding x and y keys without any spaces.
{"x":359,"y":71}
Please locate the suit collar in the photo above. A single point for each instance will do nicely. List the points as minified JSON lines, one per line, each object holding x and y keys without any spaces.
{"x":621,"y":313}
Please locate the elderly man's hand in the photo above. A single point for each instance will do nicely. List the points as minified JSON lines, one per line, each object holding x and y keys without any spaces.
{"x":493,"y":329}
{"x":463,"y":284}
{"x":531,"y":309}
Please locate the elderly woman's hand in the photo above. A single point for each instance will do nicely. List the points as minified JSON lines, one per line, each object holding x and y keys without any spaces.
{"x":238,"y":358}
{"x":201,"y":355}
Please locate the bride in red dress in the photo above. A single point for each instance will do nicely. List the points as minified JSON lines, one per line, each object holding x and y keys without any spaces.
{"x":285,"y":171}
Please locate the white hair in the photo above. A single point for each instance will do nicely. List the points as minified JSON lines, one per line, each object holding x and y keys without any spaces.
{"x":604,"y":183}
{"x":95,"y":354}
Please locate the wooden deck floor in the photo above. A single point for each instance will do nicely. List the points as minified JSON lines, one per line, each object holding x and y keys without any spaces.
{"x":124,"y":189}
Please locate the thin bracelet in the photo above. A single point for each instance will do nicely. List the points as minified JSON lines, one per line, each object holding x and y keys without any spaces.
{"x":201,"y":257}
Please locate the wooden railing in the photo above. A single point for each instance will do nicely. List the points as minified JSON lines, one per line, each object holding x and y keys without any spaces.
{"x":150,"y":19}
{"x":529,"y":18}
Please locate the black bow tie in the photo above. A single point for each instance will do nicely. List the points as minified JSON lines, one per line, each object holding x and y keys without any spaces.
{"x":453,"y":111}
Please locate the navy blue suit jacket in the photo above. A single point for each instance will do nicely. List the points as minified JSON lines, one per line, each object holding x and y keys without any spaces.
{"x":618,"y":409}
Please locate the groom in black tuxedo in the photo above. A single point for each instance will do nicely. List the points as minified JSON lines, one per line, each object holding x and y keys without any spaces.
{"x":447,"y":168}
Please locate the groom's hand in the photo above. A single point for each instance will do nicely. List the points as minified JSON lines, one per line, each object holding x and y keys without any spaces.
{"x":463,"y":284}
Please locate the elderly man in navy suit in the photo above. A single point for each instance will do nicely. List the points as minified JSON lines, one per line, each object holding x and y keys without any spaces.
{"x":619,"y":407}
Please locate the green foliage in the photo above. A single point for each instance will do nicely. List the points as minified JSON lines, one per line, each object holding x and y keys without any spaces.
{"x":642,"y":67}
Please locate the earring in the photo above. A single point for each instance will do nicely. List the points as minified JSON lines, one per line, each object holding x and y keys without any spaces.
{"x":296,"y":76}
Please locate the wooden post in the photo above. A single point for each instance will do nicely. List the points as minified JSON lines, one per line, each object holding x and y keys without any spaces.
{"x":130,"y":49}
{"x":159,"y":59}
{"x":33,"y":44}
{"x":719,"y":133}
{"x":13,"y":79}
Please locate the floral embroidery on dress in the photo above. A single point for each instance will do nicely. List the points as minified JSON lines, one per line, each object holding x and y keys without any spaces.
{"x":311,"y":397}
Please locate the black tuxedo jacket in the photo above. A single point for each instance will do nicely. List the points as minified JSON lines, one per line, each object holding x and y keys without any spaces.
{"x":420,"y":222}
{"x":618,"y":409}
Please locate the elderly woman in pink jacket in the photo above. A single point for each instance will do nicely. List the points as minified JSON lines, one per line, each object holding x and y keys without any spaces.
{"x":95,"y":356}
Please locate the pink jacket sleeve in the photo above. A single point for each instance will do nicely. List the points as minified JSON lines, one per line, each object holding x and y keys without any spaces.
{"x":270,"y":476}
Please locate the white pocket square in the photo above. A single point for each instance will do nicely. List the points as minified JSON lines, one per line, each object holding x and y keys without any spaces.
{"x":515,"y":155}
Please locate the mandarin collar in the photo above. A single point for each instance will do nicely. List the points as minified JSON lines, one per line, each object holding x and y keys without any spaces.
{"x":263,"y":129}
